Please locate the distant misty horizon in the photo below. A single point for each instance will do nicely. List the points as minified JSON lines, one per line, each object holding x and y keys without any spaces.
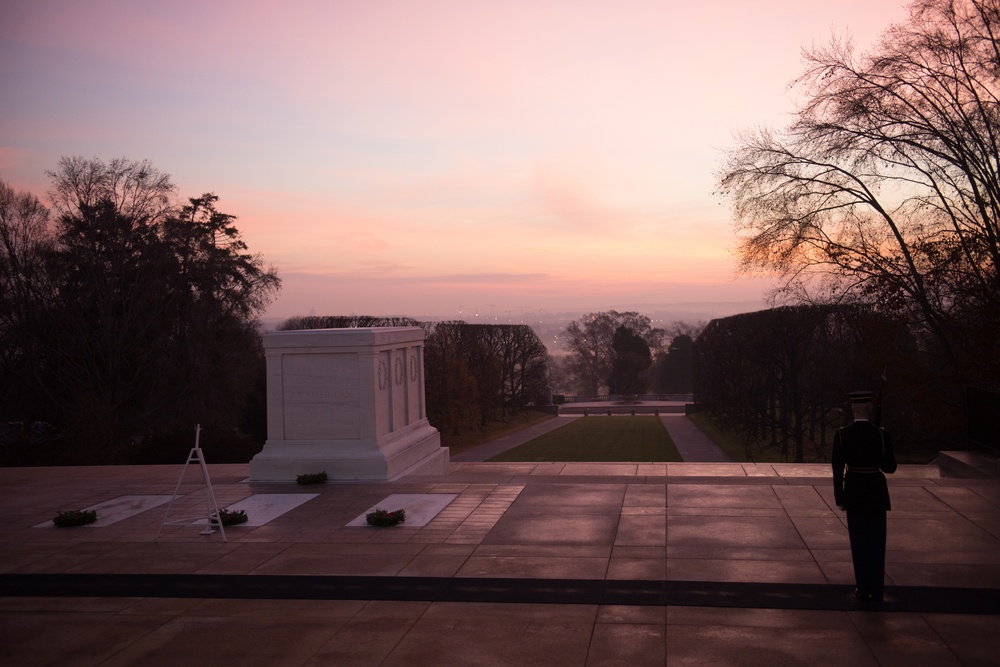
{"x":662,"y":314}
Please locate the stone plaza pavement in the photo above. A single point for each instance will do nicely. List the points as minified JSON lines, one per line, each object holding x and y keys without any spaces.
{"x":525,"y":564}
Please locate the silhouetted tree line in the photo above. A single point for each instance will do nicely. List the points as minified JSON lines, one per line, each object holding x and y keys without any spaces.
{"x":623,"y":353}
{"x":779,"y":378}
{"x":345,"y":322}
{"x":125,"y":317}
{"x":477,"y":373}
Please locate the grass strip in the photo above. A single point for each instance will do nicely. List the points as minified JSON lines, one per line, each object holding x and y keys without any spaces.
{"x":599,"y":440}
{"x":470,"y":438}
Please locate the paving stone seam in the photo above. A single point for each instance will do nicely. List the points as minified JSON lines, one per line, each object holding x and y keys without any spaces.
{"x":823,"y":597}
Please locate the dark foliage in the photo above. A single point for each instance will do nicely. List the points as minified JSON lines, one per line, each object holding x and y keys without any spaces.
{"x":673,"y":371}
{"x":73,"y":518}
{"x":312,"y":478}
{"x":233,"y":517}
{"x":779,"y":378}
{"x":589,"y":342}
{"x":477,"y":373}
{"x":630,"y":363}
{"x":381,"y":518}
{"x":140,"y":320}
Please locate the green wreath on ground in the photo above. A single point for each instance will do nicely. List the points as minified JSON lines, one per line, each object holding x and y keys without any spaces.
{"x":383,"y":519}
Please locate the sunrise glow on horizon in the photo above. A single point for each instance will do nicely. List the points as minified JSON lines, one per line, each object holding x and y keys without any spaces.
{"x":415,"y":158}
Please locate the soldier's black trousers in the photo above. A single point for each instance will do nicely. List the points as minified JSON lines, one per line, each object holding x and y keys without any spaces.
{"x":867,"y":531}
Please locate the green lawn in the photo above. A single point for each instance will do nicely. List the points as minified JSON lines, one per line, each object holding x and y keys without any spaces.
{"x":469,"y":438}
{"x":599,"y":439}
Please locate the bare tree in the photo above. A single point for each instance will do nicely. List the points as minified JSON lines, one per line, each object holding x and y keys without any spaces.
{"x":137,"y":190}
{"x":507,"y":361}
{"x":590,"y":344}
{"x":25,"y":240}
{"x":885,"y":189}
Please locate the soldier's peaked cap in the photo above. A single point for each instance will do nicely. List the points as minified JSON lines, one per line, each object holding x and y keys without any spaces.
{"x":861,"y":396}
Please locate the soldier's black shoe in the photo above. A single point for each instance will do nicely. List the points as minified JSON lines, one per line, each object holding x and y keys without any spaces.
{"x":864,"y":597}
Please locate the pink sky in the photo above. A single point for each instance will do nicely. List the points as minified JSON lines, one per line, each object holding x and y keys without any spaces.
{"x":412,"y":157}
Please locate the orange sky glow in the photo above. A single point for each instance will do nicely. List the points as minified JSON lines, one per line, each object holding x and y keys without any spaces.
{"x":435,"y":157}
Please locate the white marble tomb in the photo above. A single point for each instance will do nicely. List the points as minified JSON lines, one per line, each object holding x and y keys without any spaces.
{"x":349,"y":402}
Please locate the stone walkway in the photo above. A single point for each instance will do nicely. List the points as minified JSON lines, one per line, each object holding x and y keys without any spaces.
{"x":529,"y":564}
{"x":693,"y":445}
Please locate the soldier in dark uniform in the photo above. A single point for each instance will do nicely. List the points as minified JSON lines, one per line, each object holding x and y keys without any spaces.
{"x":865,"y":450}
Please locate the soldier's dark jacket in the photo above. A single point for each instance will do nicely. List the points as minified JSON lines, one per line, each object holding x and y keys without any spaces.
{"x":865,"y":451}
